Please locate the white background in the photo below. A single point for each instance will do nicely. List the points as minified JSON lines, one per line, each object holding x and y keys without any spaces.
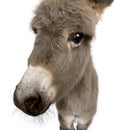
{"x":16,"y":42}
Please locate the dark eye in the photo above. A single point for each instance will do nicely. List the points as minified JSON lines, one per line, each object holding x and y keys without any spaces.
{"x":77,"y":38}
{"x":34,"y":30}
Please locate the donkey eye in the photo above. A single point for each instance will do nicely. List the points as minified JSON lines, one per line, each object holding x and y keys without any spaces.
{"x":76,"y":38}
{"x":34,"y":30}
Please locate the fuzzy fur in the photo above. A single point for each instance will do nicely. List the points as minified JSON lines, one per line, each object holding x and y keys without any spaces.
{"x":74,"y":76}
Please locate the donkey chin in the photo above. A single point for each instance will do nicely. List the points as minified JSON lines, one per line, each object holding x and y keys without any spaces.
{"x":33,"y":95}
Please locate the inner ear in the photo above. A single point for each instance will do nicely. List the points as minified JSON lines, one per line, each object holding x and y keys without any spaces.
{"x":103,"y":2}
{"x":99,"y":6}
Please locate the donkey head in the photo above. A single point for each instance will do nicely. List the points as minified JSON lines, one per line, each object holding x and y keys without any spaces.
{"x":61,"y":53}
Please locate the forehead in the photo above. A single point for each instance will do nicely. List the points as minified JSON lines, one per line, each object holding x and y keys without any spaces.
{"x":73,"y":15}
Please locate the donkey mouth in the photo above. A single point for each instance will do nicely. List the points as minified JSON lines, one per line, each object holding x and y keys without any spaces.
{"x":33,"y":106}
{"x":36,"y":112}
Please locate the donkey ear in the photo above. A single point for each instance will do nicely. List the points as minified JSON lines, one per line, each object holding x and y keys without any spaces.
{"x":100,"y":5}
{"x":107,"y":2}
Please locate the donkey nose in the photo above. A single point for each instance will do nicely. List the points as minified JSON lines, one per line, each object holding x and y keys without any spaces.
{"x":34,"y":105}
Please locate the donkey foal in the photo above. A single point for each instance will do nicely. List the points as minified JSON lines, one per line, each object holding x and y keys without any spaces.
{"x":60,"y":68}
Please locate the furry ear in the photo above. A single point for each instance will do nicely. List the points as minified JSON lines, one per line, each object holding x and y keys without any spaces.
{"x":99,"y":6}
{"x":106,"y":2}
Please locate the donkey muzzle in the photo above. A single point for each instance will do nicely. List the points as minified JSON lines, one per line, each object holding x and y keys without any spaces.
{"x":34,"y":93}
{"x":33,"y":105}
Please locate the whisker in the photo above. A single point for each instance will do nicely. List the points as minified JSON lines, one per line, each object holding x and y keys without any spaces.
{"x":39,"y":120}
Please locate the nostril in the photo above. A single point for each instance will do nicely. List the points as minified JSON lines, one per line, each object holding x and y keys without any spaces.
{"x":34,"y":104}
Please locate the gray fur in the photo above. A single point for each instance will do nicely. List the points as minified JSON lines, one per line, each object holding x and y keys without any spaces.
{"x":74,"y":75}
